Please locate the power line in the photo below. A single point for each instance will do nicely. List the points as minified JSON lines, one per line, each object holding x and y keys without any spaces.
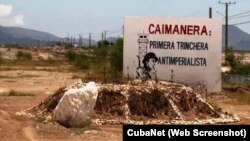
{"x":226,"y":21}
{"x":94,"y":35}
{"x":241,"y":23}
{"x":115,"y":31}
{"x":218,"y":12}
{"x":240,"y":14}
{"x":239,"y":17}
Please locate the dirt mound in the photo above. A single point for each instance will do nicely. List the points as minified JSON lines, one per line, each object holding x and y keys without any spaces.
{"x":154,"y":100}
{"x":48,"y":105}
{"x":110,"y":102}
{"x":148,"y":102}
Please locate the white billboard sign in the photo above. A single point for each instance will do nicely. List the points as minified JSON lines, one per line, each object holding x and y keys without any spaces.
{"x":186,"y":50}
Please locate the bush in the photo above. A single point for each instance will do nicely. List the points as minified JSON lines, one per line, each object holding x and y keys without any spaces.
{"x":71,"y":55}
{"x":230,"y":57}
{"x":237,"y":67}
{"x":16,"y":93}
{"x":24,"y":56}
{"x":116,"y":55}
{"x":109,"y":62}
{"x":104,"y":63}
{"x":81,"y":61}
{"x":100,"y":56}
{"x":241,"y":69}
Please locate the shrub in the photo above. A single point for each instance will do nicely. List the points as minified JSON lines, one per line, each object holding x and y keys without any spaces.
{"x":237,"y":67}
{"x":71,"y":55}
{"x":116,"y":55}
{"x":100,"y":55}
{"x":104,"y":63}
{"x":20,"y":55}
{"x":241,"y":69}
{"x":81,"y":61}
{"x":16,"y":93}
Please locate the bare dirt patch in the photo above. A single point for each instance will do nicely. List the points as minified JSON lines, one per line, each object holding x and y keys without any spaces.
{"x":232,"y":106}
{"x":13,"y":127}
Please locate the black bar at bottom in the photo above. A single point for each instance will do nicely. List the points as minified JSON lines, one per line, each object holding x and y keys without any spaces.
{"x":192,"y":132}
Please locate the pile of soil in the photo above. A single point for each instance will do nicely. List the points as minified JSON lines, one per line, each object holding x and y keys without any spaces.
{"x":143,"y":102}
{"x":155,"y":100}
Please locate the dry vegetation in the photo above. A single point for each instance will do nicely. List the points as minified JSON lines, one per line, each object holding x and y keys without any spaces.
{"x":26,"y":81}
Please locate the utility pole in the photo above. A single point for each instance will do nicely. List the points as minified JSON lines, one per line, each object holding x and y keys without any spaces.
{"x":105,"y":34}
{"x":80,"y":40}
{"x":101,"y":40}
{"x":210,"y":13}
{"x":68,"y":38}
{"x":102,"y":37}
{"x":226,"y":21}
{"x":71,"y":40}
{"x":90,"y":39}
{"x":74,"y":40}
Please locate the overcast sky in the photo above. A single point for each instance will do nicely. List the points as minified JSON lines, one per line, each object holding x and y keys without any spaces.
{"x":62,"y":17}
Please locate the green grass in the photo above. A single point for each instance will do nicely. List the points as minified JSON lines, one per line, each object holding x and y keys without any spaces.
{"x":79,"y":131}
{"x":19,"y":76}
{"x":16,"y":93}
{"x":32,"y":63}
{"x":28,"y":76}
{"x":227,"y":84}
{"x":38,"y":65}
{"x":4,"y":76}
{"x":242,"y":98}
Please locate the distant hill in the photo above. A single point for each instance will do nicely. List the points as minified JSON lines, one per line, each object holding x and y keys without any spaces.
{"x":237,"y":38}
{"x":17,"y":35}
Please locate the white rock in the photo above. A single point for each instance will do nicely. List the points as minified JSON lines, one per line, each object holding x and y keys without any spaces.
{"x":76,"y":106}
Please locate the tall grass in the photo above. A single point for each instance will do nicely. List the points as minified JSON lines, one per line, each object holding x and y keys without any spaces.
{"x":242,"y":98}
{"x":20,"y":55}
{"x":79,"y":60}
{"x":102,"y":63}
{"x":17,"y":93}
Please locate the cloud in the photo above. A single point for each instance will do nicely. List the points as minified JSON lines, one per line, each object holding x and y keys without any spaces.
{"x":16,"y":21}
{"x":7,"y":19}
{"x":5,"y":10}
